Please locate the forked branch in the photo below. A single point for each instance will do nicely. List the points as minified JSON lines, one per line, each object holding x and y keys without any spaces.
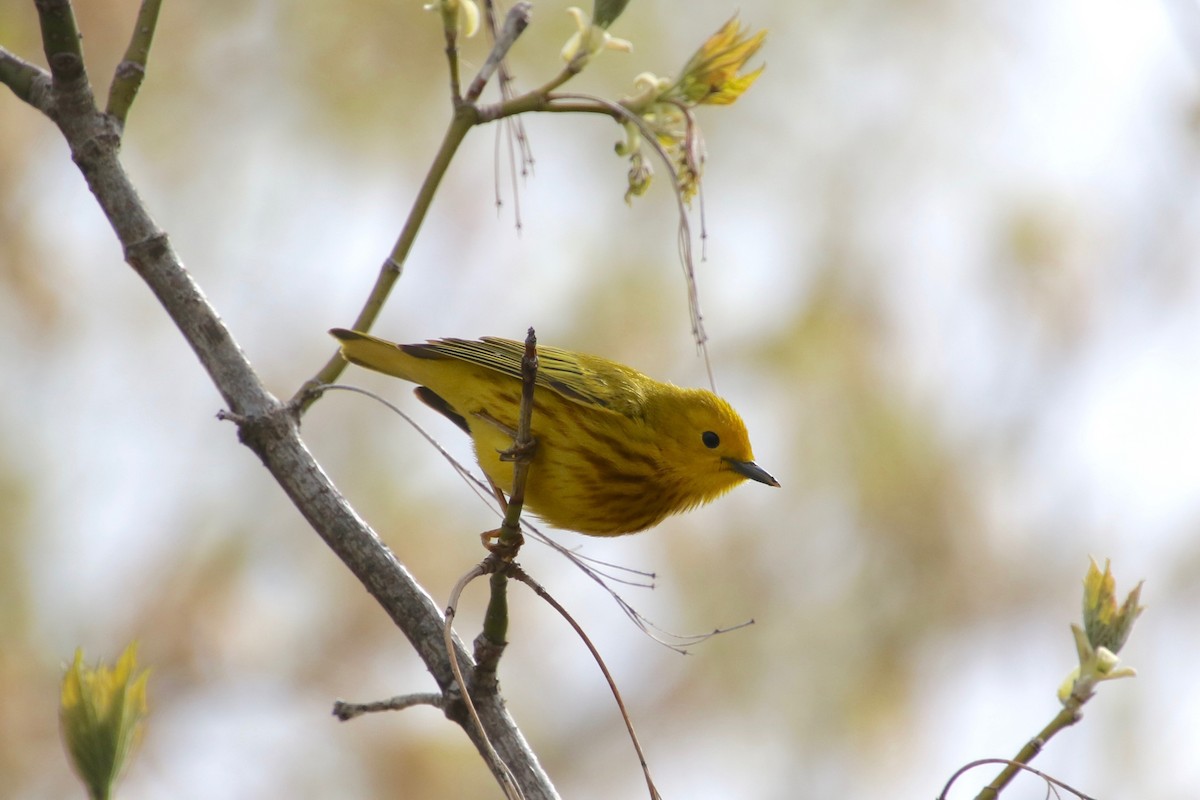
{"x":266,"y":426}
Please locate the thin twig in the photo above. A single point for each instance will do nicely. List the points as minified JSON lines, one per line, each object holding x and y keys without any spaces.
{"x":513,"y":131}
{"x":132,"y":70}
{"x":694,"y":157}
{"x":1062,"y":720}
{"x":622,"y":114}
{"x":465,"y":117}
{"x":450,"y":27}
{"x":541,"y":99}
{"x":495,"y":621}
{"x":544,"y":100}
{"x":61,"y":40}
{"x":586,"y":564}
{"x":347,"y":711}
{"x":514,"y":25}
{"x":493,"y":638}
{"x":1053,"y":782}
{"x":489,"y":18}
{"x":393,"y":265}
{"x":508,"y":780}
{"x":462,"y":470}
{"x":523,"y":447}
{"x":540,"y":591}
{"x":28,"y":81}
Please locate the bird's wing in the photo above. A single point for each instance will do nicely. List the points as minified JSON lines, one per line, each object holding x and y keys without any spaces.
{"x":588,"y":380}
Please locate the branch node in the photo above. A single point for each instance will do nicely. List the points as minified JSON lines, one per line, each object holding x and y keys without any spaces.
{"x":487,"y":654}
{"x":147,"y":250}
{"x":130,"y":69}
{"x":105,"y":139}
{"x":255,"y":430}
{"x":66,"y":66}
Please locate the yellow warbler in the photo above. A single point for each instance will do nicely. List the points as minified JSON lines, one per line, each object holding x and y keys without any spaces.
{"x":616,"y":451}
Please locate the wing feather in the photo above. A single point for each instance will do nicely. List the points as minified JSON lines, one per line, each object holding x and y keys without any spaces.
{"x":588,"y":380}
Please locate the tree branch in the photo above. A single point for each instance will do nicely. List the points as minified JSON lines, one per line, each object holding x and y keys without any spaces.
{"x":60,"y":39}
{"x":28,"y":82}
{"x":265,"y":425}
{"x":1062,"y":720}
{"x":347,"y":711}
{"x":464,"y":118}
{"x":129,"y":74}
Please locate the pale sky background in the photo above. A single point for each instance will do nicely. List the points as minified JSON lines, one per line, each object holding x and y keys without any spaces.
{"x":952,"y":286}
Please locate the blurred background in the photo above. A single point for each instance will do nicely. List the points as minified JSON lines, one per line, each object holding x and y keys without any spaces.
{"x":951,"y":284}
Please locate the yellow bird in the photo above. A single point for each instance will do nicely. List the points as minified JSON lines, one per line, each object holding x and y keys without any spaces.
{"x":616,"y":451}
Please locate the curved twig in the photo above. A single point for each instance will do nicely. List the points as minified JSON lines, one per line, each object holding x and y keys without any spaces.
{"x":1017,"y":766}
{"x":601,"y":572}
{"x":560,"y":102}
{"x":623,"y":114}
{"x":520,"y":574}
{"x":1064,"y":719}
{"x":508,"y":780}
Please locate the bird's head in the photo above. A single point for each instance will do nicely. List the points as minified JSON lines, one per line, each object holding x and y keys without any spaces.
{"x":704,"y":442}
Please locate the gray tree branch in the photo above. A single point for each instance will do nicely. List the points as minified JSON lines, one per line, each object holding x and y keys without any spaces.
{"x":265,"y":425}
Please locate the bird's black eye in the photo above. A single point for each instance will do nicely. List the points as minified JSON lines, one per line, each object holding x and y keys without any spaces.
{"x":711,"y":440}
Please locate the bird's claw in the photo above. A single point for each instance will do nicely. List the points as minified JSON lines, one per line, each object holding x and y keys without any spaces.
{"x":520,"y":451}
{"x":503,"y":544}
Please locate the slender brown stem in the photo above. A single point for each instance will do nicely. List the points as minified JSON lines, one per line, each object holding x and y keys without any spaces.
{"x":1052,"y":782}
{"x":499,"y":768}
{"x":495,"y":621}
{"x":452,"y":64}
{"x":523,"y":448}
{"x":543,"y":99}
{"x":520,"y":574}
{"x":619,"y":112}
{"x":464,"y":118}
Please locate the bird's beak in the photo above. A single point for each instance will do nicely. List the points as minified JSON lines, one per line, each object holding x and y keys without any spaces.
{"x":748,"y":469}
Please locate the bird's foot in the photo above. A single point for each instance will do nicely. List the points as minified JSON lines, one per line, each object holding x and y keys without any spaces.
{"x":502,"y":543}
